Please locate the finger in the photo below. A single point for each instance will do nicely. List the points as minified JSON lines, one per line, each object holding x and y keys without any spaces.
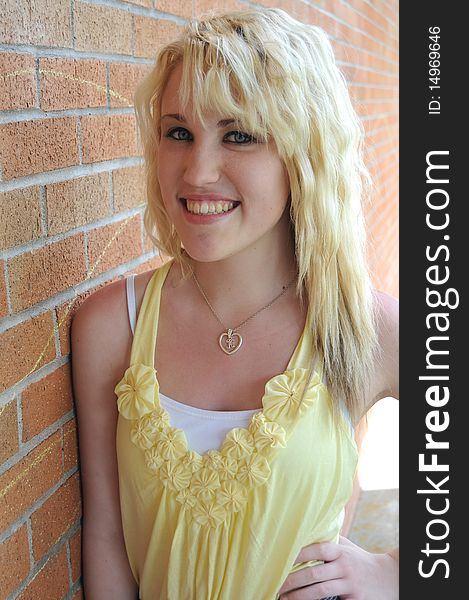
{"x":318,"y":591}
{"x":326,"y":551}
{"x":310,"y":575}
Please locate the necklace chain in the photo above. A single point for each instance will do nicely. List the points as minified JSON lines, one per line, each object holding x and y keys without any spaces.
{"x":230,"y":345}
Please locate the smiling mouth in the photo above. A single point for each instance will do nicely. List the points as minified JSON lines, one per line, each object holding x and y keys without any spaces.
{"x":208,"y":208}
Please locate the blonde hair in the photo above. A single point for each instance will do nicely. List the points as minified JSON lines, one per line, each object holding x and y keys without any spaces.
{"x":278,"y":77}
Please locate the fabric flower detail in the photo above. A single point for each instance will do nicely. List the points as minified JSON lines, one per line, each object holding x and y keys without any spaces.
{"x":284,"y":397}
{"x":136,"y":391}
{"x":153,"y":460}
{"x":175,"y":476}
{"x":254,"y":471}
{"x":228,"y":468}
{"x":158,"y":419}
{"x":267,"y":433}
{"x":212,"y":460}
{"x":232,"y":495}
{"x":238,"y":443}
{"x":204,"y":483}
{"x":143,"y":433}
{"x":171,"y":444}
{"x":209,"y":513}
{"x":192,"y":460}
{"x":186,"y":498}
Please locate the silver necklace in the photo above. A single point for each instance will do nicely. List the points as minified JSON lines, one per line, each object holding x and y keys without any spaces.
{"x":230,"y":340}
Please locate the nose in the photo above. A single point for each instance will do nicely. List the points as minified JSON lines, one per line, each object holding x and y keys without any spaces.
{"x":202,"y":166}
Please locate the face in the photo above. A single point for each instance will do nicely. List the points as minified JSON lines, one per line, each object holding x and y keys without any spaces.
{"x":224,"y":193}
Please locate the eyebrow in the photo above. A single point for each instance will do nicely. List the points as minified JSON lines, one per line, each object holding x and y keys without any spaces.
{"x":222,"y":123}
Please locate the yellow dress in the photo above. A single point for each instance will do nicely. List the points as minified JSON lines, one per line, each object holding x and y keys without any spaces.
{"x":228,"y":524}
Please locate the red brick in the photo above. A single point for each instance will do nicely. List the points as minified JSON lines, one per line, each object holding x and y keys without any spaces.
{"x":123,"y":81}
{"x":145,"y":3}
{"x":108,"y":137}
{"x":72,"y":83}
{"x":39,"y":274}
{"x":296,"y":8}
{"x":102,"y":29}
{"x":370,"y":92}
{"x":373,"y":15}
{"x":65,"y":314}
{"x":365,"y":109}
{"x":56,"y":516}
{"x":28,"y":147}
{"x":129,"y":188}
{"x":389,"y":10}
{"x":355,"y":74}
{"x":70,"y":445}
{"x":29,"y":479}
{"x":123,"y":248}
{"x":20,"y":217}
{"x":45,"y":401}
{"x":78,"y":595}
{"x":8,"y":431}
{"x":345,"y":52}
{"x":75,"y":555}
{"x":150,"y":34}
{"x":3,"y":291}
{"x":77,"y":202}
{"x":26,"y":344}
{"x":17,"y":81}
{"x":14,"y":558}
{"x":148,"y":265}
{"x":175,"y":7}
{"x":202,"y":7}
{"x":36,"y":22}
{"x":51,"y":581}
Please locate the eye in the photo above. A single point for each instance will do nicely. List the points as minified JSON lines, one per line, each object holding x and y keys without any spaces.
{"x":176,"y":130}
{"x":241,"y":138}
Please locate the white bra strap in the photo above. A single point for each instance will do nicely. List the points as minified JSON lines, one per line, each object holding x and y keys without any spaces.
{"x":131,"y":307}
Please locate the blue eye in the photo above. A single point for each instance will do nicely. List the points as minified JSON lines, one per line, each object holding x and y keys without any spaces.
{"x":240,"y":138}
{"x":245,"y":137}
{"x":176,"y":130}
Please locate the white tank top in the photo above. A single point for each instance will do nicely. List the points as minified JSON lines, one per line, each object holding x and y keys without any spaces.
{"x":204,"y":429}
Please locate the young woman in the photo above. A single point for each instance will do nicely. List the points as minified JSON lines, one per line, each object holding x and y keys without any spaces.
{"x":216,"y":422}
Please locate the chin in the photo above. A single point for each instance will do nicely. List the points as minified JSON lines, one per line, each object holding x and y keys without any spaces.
{"x":206,"y":255}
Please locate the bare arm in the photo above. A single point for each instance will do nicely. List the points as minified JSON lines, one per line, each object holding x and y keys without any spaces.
{"x":99,"y":352}
{"x":386,"y":377}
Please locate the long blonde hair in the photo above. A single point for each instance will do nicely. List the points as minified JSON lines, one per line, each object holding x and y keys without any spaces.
{"x":278,"y":78}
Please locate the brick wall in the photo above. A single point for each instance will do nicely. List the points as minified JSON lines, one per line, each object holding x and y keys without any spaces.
{"x":71,"y":208}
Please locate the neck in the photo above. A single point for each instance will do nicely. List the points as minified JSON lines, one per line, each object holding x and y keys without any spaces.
{"x":239,"y":285}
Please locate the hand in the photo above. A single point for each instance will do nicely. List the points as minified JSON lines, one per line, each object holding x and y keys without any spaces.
{"x":348,"y":571}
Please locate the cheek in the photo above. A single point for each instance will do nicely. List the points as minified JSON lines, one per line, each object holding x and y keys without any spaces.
{"x":164,"y":173}
{"x":272,"y":180}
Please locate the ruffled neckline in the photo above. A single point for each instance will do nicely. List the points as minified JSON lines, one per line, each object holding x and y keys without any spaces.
{"x":215,"y":484}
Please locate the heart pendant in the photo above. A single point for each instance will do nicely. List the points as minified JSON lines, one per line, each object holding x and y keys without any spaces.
{"x":227,"y":342}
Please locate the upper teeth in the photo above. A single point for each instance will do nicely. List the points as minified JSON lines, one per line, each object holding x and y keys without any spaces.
{"x":208,"y":208}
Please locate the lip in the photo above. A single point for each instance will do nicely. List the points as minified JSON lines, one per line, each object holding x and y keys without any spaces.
{"x":200,"y":219}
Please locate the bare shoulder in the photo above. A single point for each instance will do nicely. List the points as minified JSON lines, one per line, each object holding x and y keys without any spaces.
{"x":102,"y":320}
{"x":100,"y":330}
{"x":386,"y":372}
